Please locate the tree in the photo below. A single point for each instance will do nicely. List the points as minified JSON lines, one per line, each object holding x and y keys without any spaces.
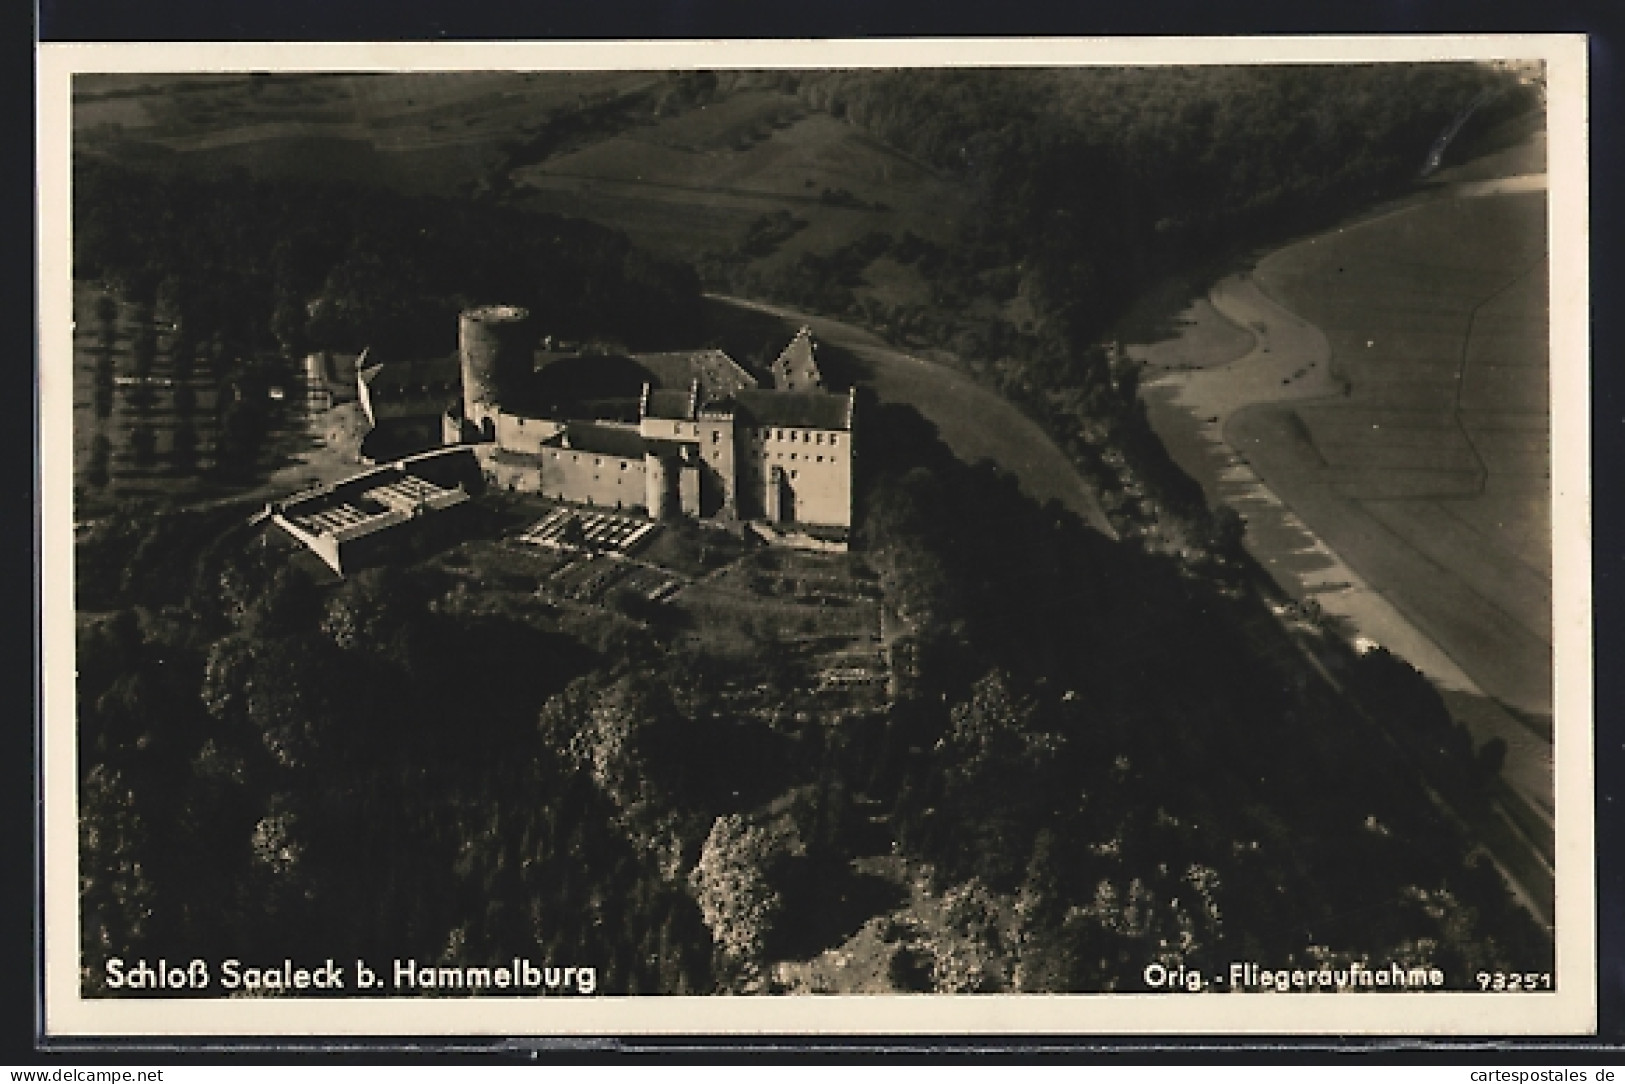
{"x":101,"y":453}
{"x":736,"y":901}
{"x":1226,"y":531}
{"x":1000,"y":770}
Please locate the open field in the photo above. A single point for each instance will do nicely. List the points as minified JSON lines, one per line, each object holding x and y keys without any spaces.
{"x":680,"y":179}
{"x":695,"y":182}
{"x":428,"y":132}
{"x":1436,"y":322}
{"x":197,"y":112}
{"x":1387,"y":437}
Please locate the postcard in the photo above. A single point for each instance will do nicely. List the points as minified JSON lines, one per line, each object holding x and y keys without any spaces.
{"x":1048,"y":537}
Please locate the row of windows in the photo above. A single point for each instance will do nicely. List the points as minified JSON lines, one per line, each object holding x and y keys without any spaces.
{"x":716,"y":434}
{"x":597,"y":460}
{"x":780,"y":455}
{"x":775,"y":434}
{"x":793,"y":435}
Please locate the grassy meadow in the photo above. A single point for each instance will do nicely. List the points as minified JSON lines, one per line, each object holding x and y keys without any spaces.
{"x":694,"y":182}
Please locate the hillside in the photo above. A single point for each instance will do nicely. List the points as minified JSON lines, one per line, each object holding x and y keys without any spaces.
{"x":1082,"y":754}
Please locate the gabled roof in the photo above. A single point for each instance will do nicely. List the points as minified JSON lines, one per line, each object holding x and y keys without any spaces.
{"x":796,"y":409}
{"x":796,"y":367}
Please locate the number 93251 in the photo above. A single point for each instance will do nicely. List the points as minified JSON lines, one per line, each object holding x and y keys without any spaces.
{"x":1514,"y":982}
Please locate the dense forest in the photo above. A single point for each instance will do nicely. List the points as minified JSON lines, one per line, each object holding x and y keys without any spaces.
{"x":1096,"y":761}
{"x":1122,"y":762}
{"x":268,"y":768}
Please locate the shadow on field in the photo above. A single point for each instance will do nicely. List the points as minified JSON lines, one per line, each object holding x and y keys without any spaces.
{"x":843,"y":368}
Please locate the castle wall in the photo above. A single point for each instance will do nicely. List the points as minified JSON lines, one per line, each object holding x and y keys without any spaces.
{"x":660,"y":487}
{"x":605,"y":481}
{"x":669,"y":429}
{"x":517,"y":477}
{"x":324,"y":546}
{"x":772,"y":491}
{"x":817,"y":465}
{"x":525,"y":435}
{"x":688,"y":490}
{"x":719,"y":472}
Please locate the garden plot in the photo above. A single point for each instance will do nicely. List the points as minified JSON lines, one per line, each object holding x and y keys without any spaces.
{"x":579,"y":529}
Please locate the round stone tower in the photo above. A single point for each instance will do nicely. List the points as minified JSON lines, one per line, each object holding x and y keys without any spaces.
{"x":494,"y":345}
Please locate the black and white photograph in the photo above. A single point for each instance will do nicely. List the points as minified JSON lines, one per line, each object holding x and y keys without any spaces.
{"x":668,"y":538}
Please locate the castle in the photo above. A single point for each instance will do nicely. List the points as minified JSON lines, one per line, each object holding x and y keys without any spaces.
{"x":681,"y":434}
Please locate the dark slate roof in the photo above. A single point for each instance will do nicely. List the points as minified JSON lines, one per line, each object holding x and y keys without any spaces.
{"x":795,"y":409}
{"x":607,"y":410}
{"x":604,"y":440}
{"x":719,"y":375}
{"x":565,"y":382}
{"x":668,"y":403}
